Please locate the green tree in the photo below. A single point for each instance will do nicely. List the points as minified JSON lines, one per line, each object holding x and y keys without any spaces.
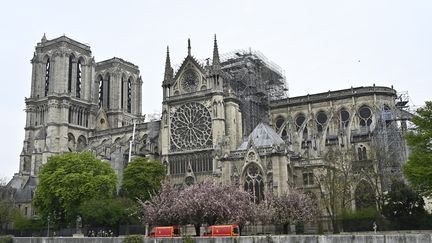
{"x":404,"y":207}
{"x":110,"y":212}
{"x":418,"y":169}
{"x":68,"y":180}
{"x":7,"y":209}
{"x":142,"y":178}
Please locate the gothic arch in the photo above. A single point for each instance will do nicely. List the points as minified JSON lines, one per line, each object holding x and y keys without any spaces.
{"x":344,"y":116}
{"x":321,"y":120}
{"x":71,"y":142}
{"x":81,"y":143}
{"x":253,"y":181}
{"x":364,"y":195}
{"x":82,"y":59}
{"x":365,"y":115}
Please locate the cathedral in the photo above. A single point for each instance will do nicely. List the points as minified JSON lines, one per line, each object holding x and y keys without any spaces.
{"x":227,"y":117}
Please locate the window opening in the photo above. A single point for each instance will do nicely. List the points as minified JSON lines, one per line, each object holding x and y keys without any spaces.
{"x":101,"y":93}
{"x":308,"y":179}
{"x":129,"y":96}
{"x":321,"y":120}
{"x":78,"y":80}
{"x":47,"y":76}
{"x":122,"y":92}
{"x":70,"y":74}
{"x":365,"y":116}
{"x":344,"y":116}
{"x":254,"y":183}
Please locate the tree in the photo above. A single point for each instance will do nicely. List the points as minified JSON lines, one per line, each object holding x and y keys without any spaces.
{"x":68,"y":180}
{"x":204,"y":202}
{"x":335,"y":181}
{"x":418,"y":169}
{"x":142,"y":177}
{"x":404,"y":206}
{"x":7,"y":209}
{"x":210,"y":202}
{"x":111,"y":212}
{"x":293,"y":207}
{"x":161,"y":209}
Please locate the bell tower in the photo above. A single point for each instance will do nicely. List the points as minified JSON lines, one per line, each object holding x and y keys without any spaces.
{"x":61,"y":105}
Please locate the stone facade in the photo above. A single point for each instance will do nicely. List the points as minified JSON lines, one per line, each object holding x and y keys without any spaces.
{"x":229,"y":118}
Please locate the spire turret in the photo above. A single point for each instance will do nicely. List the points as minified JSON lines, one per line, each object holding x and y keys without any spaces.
{"x":44,"y":39}
{"x":168,"y":77}
{"x":189,"y":47}
{"x":216,"y":60}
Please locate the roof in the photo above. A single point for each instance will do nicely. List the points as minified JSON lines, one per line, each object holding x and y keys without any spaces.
{"x":24,"y":186}
{"x":263,"y":136}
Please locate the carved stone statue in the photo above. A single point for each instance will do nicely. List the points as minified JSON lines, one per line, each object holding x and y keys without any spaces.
{"x":78,"y":224}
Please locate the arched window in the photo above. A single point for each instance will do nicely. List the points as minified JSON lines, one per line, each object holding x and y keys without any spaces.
{"x":254,"y":182}
{"x":279,"y":122}
{"x":365,"y":114}
{"x":82,"y":143}
{"x":70,"y":73}
{"x":344,"y":117}
{"x":107,"y":97}
{"x":71,"y":142}
{"x":101,"y":91}
{"x":47,"y":76}
{"x":122,"y":84}
{"x":300,"y":119}
{"x":78,"y":79}
{"x":321,"y":120}
{"x":364,"y":196}
{"x":362,"y":153}
{"x":129,"y":95}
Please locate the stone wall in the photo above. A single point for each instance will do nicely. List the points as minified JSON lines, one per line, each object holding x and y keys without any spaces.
{"x":358,"y":238}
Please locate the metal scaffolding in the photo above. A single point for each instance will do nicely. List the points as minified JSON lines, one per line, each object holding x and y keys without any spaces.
{"x":389,"y":140}
{"x":256,"y":81}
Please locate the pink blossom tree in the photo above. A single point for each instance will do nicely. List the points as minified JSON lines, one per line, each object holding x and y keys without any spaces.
{"x":294,"y":207}
{"x":161,"y":209}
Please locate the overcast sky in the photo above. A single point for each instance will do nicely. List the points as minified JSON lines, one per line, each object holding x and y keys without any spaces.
{"x":321,"y":45}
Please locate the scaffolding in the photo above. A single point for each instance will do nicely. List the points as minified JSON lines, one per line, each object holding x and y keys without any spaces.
{"x":256,"y":81}
{"x":389,"y":139}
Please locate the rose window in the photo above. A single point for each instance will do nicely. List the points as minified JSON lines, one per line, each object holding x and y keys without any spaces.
{"x":191,"y":127}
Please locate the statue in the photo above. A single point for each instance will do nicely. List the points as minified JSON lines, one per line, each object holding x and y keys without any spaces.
{"x":78,"y":224}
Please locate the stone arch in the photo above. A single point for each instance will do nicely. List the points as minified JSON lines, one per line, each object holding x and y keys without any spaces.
{"x":82,"y":59}
{"x":253,"y":181}
{"x":343,"y":117}
{"x":299,"y":121}
{"x":81,"y":143}
{"x":321,"y":120}
{"x":362,"y":152}
{"x":365,"y":115}
{"x":364,"y":195}
{"x":71,"y":142}
{"x":48,"y":69}
{"x":279,"y":121}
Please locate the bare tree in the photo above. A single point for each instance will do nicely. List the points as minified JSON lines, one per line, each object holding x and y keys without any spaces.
{"x":335,"y":180}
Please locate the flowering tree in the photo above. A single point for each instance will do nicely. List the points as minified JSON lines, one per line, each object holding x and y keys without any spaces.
{"x":293,"y":207}
{"x":204,"y":202}
{"x":210,"y":202}
{"x":161,"y":209}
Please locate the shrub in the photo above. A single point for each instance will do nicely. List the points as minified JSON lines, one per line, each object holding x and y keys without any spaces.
{"x":133,"y":239}
{"x":360,"y":220}
{"x":6,"y":239}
